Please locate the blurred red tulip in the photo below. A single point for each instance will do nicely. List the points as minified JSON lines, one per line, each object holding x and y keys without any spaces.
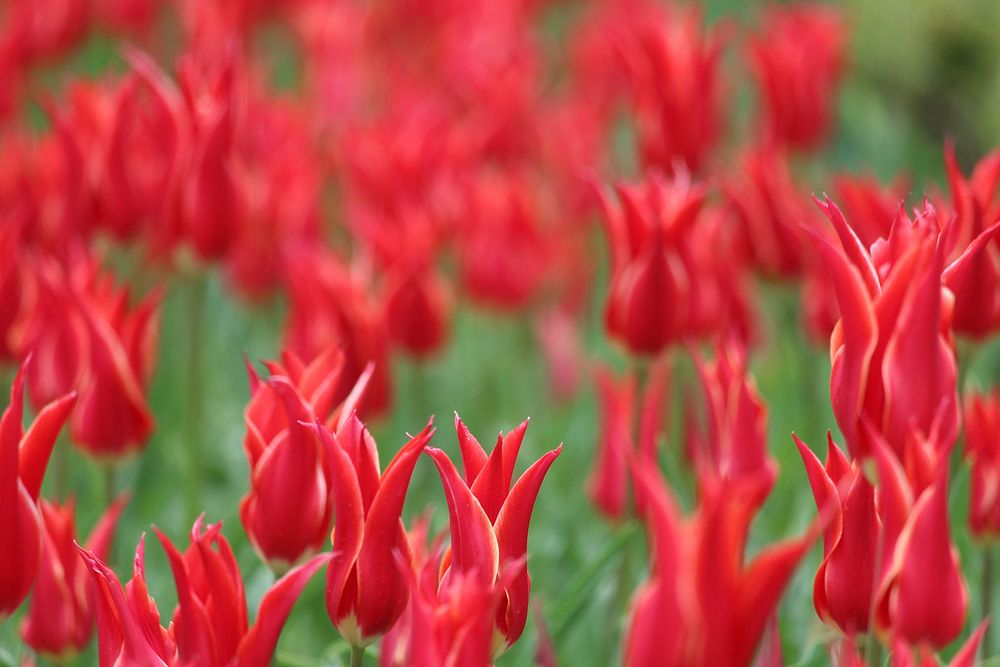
{"x":503,"y":242}
{"x":209,"y":625}
{"x":365,"y":590}
{"x":60,"y":618}
{"x":797,"y":58}
{"x":558,"y":335}
{"x":626,"y":432}
{"x":975,"y":201}
{"x":770,"y":211}
{"x":489,"y":521}
{"x":982,"y":449}
{"x":674,"y":66}
{"x":702,"y":605}
{"x":652,"y":283}
{"x":329,"y":304}
{"x":733,"y":453}
{"x":23,"y":459}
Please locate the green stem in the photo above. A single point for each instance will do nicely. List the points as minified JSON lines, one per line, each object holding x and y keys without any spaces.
{"x":987,"y":597}
{"x":357,"y":656}
{"x":193,"y":430}
{"x":109,"y":472}
{"x":60,"y":465}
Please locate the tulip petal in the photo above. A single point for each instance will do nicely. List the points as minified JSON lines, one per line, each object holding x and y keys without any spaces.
{"x":257,"y":647}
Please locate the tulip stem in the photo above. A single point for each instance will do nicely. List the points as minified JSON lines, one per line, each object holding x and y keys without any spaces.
{"x":108,"y":473}
{"x":192,"y":439}
{"x":357,"y":656}
{"x":987,"y":598}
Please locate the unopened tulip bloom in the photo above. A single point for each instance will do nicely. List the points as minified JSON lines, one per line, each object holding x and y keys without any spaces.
{"x":674,"y":66}
{"x":24,"y":455}
{"x":60,"y":618}
{"x":975,"y":201}
{"x":289,"y":505}
{"x":210,"y":626}
{"x":653,"y":288}
{"x":982,"y":449}
{"x":797,"y":58}
{"x":365,"y":590}
{"x":844,"y":583}
{"x":489,"y":520}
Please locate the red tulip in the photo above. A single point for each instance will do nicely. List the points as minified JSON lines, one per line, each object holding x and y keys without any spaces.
{"x":652,"y":287}
{"x":559,"y":339}
{"x":733,"y":452}
{"x":885,"y":554}
{"x":702,"y":605}
{"x":770,"y":210}
{"x":489,"y":521}
{"x":922,"y":598}
{"x":620,"y":440}
{"x":797,"y":59}
{"x":674,"y":66}
{"x":23,"y":459}
{"x":328,"y":304}
{"x":454,"y":625}
{"x":982,"y":449}
{"x":288,"y":508}
{"x":365,"y":591}
{"x":503,"y":244}
{"x":113,"y":418}
{"x":893,"y":360}
{"x":209,"y":625}
{"x":60,"y":619}
{"x":844,"y":583}
{"x":975,"y":202}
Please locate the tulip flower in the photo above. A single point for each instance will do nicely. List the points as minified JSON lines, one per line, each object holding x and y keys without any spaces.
{"x":797,"y":58}
{"x":702,"y":605}
{"x":733,"y":453}
{"x":893,"y":360}
{"x":982,"y":449}
{"x":558,"y":336}
{"x":209,"y":625}
{"x":60,"y":618}
{"x":923,"y":598}
{"x":975,"y":202}
{"x":652,"y":285}
{"x":489,"y":520}
{"x":365,"y":591}
{"x":24,"y":455}
{"x":843,"y":587}
{"x":330,"y":305}
{"x":674,"y":67}
{"x":883,"y":553}
{"x":610,"y":479}
{"x":288,"y":508}
{"x":504,"y":245}
{"x":770,"y":210}
{"x":113,"y":418}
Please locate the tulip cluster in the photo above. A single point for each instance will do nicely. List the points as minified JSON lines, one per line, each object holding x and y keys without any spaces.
{"x":386,"y":189}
